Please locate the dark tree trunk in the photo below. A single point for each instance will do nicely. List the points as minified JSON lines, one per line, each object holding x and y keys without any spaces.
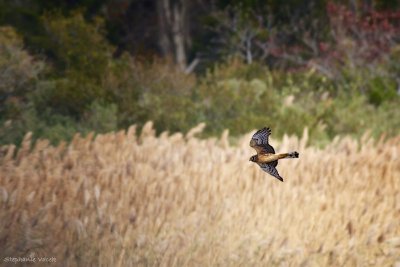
{"x":173,"y":29}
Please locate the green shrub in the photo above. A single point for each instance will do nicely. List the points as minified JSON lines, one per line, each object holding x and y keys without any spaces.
{"x":77,"y":45}
{"x":55,"y":127}
{"x":100,"y":118}
{"x":83,"y":57}
{"x":119,"y":92}
{"x":19,"y":71}
{"x":242,"y":97}
{"x":156,"y":91}
{"x":381,"y":89}
{"x":231,"y":97}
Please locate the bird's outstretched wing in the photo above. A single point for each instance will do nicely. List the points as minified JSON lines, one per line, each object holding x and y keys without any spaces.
{"x":269,"y":168}
{"x":259,"y":141}
{"x":261,"y":136}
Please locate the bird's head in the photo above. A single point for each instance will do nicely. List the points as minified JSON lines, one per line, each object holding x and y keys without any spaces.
{"x":253,"y":142}
{"x":253,"y":158}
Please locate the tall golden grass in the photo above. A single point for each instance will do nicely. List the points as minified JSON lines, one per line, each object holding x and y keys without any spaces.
{"x":175,"y":200}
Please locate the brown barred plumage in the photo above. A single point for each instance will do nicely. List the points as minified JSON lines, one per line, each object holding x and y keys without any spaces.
{"x":266,"y":157}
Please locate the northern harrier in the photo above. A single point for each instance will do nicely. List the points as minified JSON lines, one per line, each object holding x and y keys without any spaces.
{"x":266,"y":157}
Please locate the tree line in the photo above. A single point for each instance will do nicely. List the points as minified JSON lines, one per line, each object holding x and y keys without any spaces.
{"x":81,"y":66}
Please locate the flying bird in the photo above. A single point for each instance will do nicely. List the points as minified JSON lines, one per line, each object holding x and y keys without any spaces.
{"x":266,"y":157}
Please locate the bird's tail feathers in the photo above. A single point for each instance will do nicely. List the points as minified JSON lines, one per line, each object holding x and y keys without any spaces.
{"x":293,"y":154}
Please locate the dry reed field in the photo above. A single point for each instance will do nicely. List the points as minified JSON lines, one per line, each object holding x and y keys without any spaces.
{"x":120,"y":199}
